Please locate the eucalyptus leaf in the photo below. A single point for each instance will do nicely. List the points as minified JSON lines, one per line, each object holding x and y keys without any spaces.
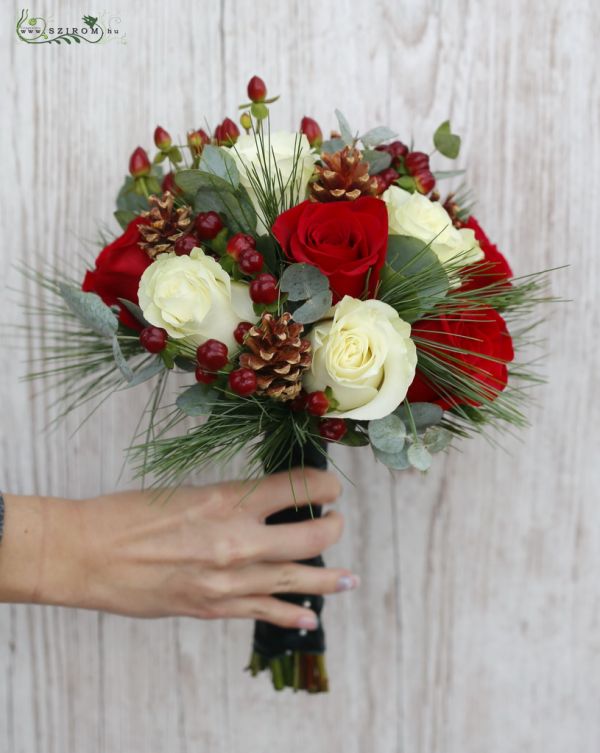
{"x":129,"y":200}
{"x":419,"y":457}
{"x":302,"y":281}
{"x":446,"y":142}
{"x":387,"y":434}
{"x":345,"y":129}
{"x":378,"y":161}
{"x":90,"y":310}
{"x":332,"y":145}
{"x":397,"y":461}
{"x":377,"y":135}
{"x":197,"y":400}
{"x":120,"y":360}
{"x":185,"y":364}
{"x":314,"y":308}
{"x":437,"y":438}
{"x":445,"y":174}
{"x":235,"y":206}
{"x":135,"y":311}
{"x":156,"y":366}
{"x":424,"y":415}
{"x":124,"y":217}
{"x":217,"y":161}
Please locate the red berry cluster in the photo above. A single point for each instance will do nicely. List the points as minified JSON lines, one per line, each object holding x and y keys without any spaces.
{"x":317,"y":404}
{"x":211,"y":356}
{"x":242,"y":249}
{"x":405,"y":164}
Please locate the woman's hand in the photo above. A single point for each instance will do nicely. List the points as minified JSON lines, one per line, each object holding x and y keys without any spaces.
{"x":205,"y":552}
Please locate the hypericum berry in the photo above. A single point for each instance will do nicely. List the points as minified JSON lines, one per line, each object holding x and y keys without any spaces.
{"x":396,"y":149}
{"x":208,"y":225}
{"x":298,"y":404}
{"x":168,"y":184}
{"x":380,"y":185}
{"x":184,"y":244}
{"x":246,"y":121}
{"x":333,"y":429}
{"x":251,"y":261}
{"x":424,"y":181}
{"x":212,"y":355}
{"x":139,"y":164}
{"x":243,"y":381}
{"x":241,"y":331}
{"x":227,"y":133}
{"x":257,"y":89}
{"x":197,"y":139}
{"x":205,"y":377}
{"x":162,"y":138}
{"x":310,"y":128}
{"x":263,"y":289}
{"x":153,"y":339}
{"x":317,"y":403}
{"x":239,"y":243}
{"x":416,"y":162}
{"x":389,"y":175}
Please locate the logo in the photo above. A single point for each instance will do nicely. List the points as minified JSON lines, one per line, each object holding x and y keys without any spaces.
{"x":93,"y":30}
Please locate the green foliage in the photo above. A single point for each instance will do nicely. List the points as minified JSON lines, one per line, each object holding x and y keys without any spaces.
{"x":345,"y":129}
{"x":217,"y":161}
{"x":446,"y":142}
{"x":377,"y":135}
{"x":207,"y":191}
{"x":303,"y":282}
{"x":197,"y":400}
{"x":89,"y":308}
{"x":413,"y":281}
{"x":378,"y":161}
{"x":388,"y":434}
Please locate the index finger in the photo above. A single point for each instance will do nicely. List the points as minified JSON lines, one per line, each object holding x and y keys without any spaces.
{"x":298,"y":487}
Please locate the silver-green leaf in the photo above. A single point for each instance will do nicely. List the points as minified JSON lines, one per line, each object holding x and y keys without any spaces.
{"x":424,"y":415}
{"x":156,"y":366}
{"x":197,"y":400}
{"x":419,"y":457}
{"x":314,"y":308}
{"x":345,"y":129}
{"x":397,"y":461}
{"x":377,"y":135}
{"x":217,"y":161}
{"x":90,"y":310}
{"x":437,"y":438}
{"x":120,"y":360}
{"x":302,"y":281}
{"x":387,"y":434}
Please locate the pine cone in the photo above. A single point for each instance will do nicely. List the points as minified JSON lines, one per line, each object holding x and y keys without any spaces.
{"x":167,"y":224}
{"x":344,"y":176}
{"x":278,"y":355}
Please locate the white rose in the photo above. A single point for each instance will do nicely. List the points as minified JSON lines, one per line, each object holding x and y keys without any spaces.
{"x":193,"y":297}
{"x":365,"y":355}
{"x":281,"y":151}
{"x":417,"y":216}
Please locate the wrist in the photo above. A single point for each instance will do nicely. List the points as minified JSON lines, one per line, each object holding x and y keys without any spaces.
{"x":38,"y":553}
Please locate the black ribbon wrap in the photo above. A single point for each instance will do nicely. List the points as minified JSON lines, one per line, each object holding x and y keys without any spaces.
{"x":271,"y":641}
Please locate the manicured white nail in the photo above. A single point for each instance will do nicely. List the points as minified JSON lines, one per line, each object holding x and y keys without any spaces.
{"x":348,"y":583}
{"x":307,"y":622}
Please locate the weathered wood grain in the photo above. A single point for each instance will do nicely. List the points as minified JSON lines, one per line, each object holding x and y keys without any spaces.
{"x":477,"y":626}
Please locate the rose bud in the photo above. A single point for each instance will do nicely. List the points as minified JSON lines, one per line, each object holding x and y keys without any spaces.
{"x":162,"y":138}
{"x":227,"y":133}
{"x":197,"y":139}
{"x":257,"y":89}
{"x":139,"y":164}
{"x":310,"y":128}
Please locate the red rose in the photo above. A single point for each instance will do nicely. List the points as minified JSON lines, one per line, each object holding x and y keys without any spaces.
{"x":119,"y":267}
{"x":497,"y":269}
{"x":347,"y":241}
{"x":481,"y":331}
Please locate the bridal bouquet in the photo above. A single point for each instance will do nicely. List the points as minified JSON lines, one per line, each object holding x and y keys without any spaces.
{"x":313,"y":292}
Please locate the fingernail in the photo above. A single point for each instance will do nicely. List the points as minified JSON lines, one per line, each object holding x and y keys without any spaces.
{"x":307,"y":622}
{"x":348,"y":583}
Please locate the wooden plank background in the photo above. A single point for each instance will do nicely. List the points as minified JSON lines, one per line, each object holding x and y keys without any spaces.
{"x":477,"y":627}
